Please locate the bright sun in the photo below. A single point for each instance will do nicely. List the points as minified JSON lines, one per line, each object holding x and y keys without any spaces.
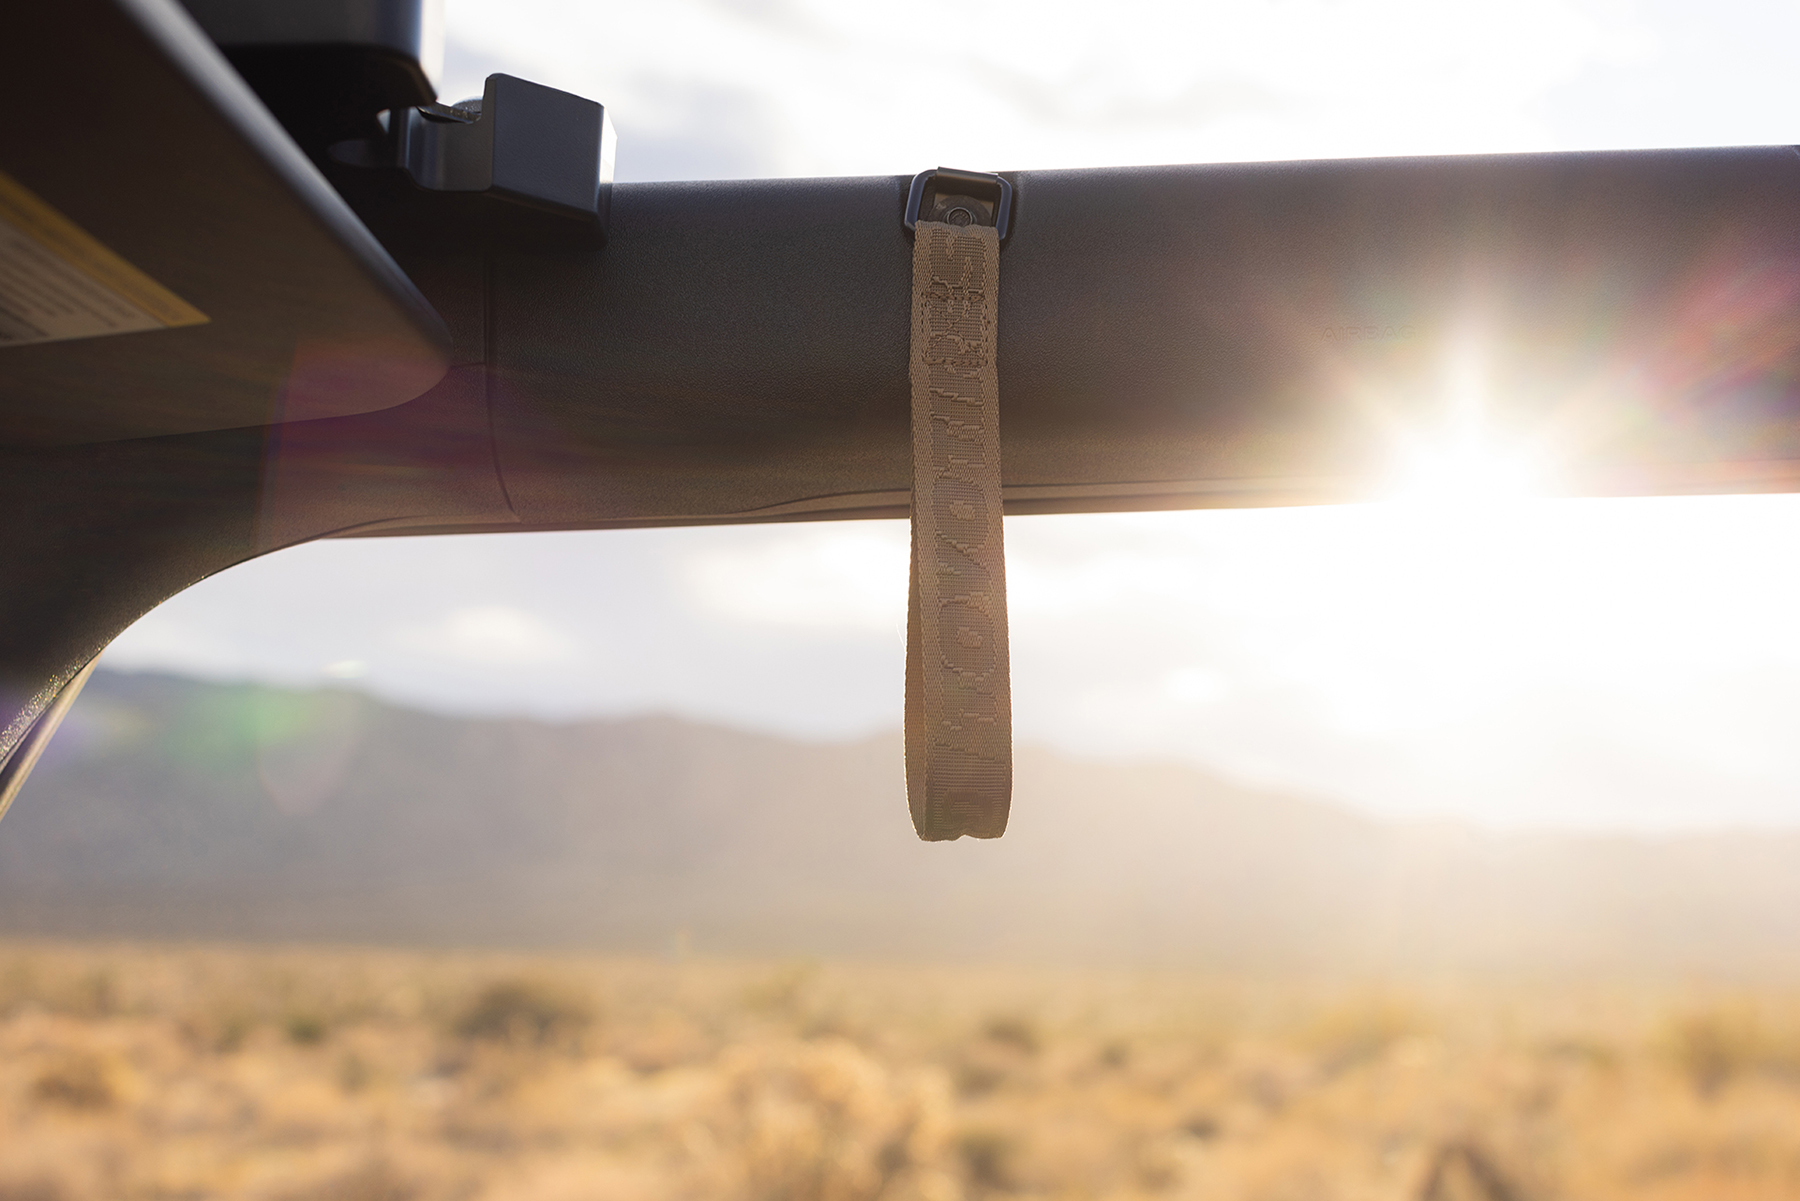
{"x":1464,"y":470}
{"x":1463,"y":462}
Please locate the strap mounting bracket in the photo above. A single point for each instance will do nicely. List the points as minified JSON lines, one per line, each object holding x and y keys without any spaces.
{"x":960,"y":198}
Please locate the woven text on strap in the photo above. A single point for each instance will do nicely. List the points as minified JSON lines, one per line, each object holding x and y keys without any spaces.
{"x":958,"y":688}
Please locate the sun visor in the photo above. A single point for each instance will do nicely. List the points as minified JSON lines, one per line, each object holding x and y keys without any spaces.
{"x":170,"y":262}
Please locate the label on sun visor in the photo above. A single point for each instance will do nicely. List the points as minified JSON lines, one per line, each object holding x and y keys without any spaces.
{"x":57,"y":283}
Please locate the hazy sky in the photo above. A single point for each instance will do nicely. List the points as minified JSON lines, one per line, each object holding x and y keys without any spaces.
{"x":1576,"y":663}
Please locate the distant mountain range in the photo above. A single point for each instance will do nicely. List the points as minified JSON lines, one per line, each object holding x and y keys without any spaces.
{"x":168,"y":807}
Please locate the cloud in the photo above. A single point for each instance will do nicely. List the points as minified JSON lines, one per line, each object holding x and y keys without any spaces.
{"x":824,"y":578}
{"x":683,"y":129}
{"x":492,"y":634}
{"x":166,"y":640}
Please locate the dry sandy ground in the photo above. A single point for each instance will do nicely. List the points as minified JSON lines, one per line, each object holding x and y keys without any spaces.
{"x":199,"y":1072}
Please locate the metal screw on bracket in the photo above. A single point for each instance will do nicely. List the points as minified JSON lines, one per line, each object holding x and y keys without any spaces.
{"x":960,"y":198}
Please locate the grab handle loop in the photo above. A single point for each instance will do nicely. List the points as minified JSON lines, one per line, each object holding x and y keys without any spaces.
{"x":958,"y":671}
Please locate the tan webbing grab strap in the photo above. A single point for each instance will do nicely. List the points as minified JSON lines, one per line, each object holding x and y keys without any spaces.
{"x":958,"y":682}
